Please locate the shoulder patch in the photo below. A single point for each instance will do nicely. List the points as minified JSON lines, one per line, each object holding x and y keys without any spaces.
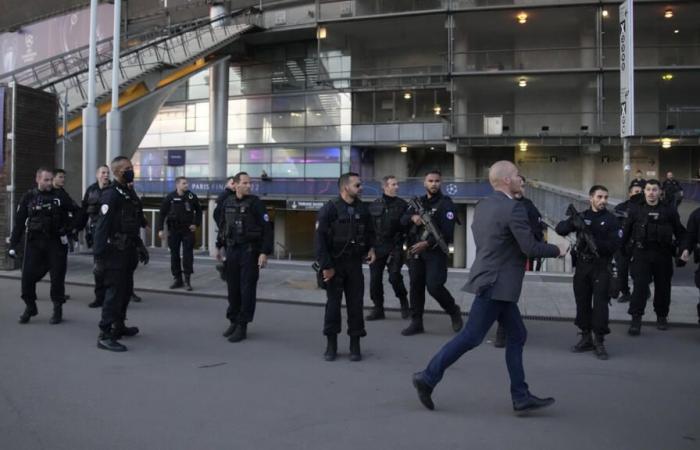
{"x":450,"y":215}
{"x":620,"y":233}
{"x":266,"y":217}
{"x":104,"y":208}
{"x":317,"y":224}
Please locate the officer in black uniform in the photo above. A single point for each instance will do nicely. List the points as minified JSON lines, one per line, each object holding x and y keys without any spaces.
{"x":390,"y":235}
{"x":182,"y":211}
{"x":691,"y":245}
{"x":220,"y":220}
{"x":638,"y":180}
{"x":621,"y":259}
{"x":427,"y":263}
{"x":592,"y":276}
{"x":649,"y":235}
{"x":344,"y":239}
{"x":673,"y":190}
{"x":44,"y":213}
{"x":248,"y":235}
{"x":144,"y":224}
{"x":90,"y":212}
{"x":117,"y":250}
{"x":59,"y":182}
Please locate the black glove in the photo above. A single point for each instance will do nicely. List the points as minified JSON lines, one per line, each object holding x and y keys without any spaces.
{"x":143,"y":254}
{"x":99,"y":267}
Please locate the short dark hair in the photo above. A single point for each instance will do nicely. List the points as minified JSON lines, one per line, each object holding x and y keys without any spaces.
{"x":345,"y":178}
{"x":119,"y":158}
{"x":654,"y":181}
{"x":597,"y":187}
{"x":103,"y":166}
{"x":386,"y":179}
{"x":57,"y":171}
{"x":523,"y":178}
{"x":237,"y":177}
{"x":231,"y":179}
{"x":178,"y":179}
{"x":634,"y":185}
{"x":433,"y":172}
{"x":43,"y":169}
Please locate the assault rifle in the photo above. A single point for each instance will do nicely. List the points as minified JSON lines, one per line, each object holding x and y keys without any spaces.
{"x":429,"y":227}
{"x":586,"y":243}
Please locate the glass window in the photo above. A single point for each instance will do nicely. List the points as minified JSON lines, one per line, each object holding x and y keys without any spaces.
{"x":425,"y":104}
{"x":404,"y":106}
{"x":385,"y":106}
{"x":255,"y":155}
{"x":288,"y":155}
{"x":198,"y":156}
{"x":363,"y":107}
{"x":233,"y":155}
{"x":323,"y":155}
{"x":322,"y":170}
{"x":191,"y":118}
{"x":255,"y":170}
{"x":287,"y":170}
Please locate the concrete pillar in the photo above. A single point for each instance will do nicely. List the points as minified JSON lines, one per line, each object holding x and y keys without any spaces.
{"x":459,"y":258}
{"x":471,"y":245}
{"x":462,"y":61}
{"x":390,"y":161}
{"x":465,"y":164}
{"x":212,"y":229}
{"x":218,"y":132}
{"x":587,"y":170}
{"x":114,"y":117}
{"x":91,"y":117}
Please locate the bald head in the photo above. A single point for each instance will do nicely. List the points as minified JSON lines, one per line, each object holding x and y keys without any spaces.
{"x":504,"y":176}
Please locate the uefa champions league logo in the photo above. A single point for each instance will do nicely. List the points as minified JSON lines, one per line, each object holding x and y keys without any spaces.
{"x":451,"y":189}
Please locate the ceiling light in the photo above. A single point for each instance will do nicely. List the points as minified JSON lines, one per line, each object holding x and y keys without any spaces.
{"x":321,"y":33}
{"x":404,"y":149}
{"x":667,"y":77}
{"x":432,"y":148}
{"x":437,"y":110}
{"x":522,"y":82}
{"x":522,"y":17}
{"x":605,"y":13}
{"x":407,"y":95}
{"x":523,"y":146}
{"x":666,"y":143}
{"x":241,"y":146}
{"x":668,"y":13}
{"x":676,"y":31}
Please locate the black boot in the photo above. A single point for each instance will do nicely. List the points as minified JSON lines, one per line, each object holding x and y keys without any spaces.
{"x":405,"y":309}
{"x":635,"y":326}
{"x":29,"y":312}
{"x":355,"y":354}
{"x":585,"y":344}
{"x":106,"y":341}
{"x":415,"y":327}
{"x":331,"y":347}
{"x":57,"y":316}
{"x":188,"y":286}
{"x":240,"y":333}
{"x":135,"y":298}
{"x":661,"y":323}
{"x":500,"y":340}
{"x":177,"y":282}
{"x":599,"y":348}
{"x":95,"y":304}
{"x":457,"y":322}
{"x":229,"y":331}
{"x":120,"y":330}
{"x":376,"y":314}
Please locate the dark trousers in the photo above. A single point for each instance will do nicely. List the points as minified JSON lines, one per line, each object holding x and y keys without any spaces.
{"x":592,"y":294}
{"x":176,"y":239}
{"x":100,"y":287}
{"x":648,"y":266}
{"x":119,"y":284}
{"x":623,"y":271}
{"x":483,"y":313}
{"x":697,"y":284}
{"x":393,"y":262}
{"x":44,"y":256}
{"x":429,"y":270}
{"x":242,"y":274}
{"x":348,"y":280}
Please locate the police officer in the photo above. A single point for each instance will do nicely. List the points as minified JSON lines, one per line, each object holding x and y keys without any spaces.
{"x":649,"y":235}
{"x":144,"y":224}
{"x":248,"y":234}
{"x":638,"y":179}
{"x":90,"y":212}
{"x":45,"y":216}
{"x":673,"y":190}
{"x":117,"y":250}
{"x":343,"y":239}
{"x":59,"y":182}
{"x":621,"y":259}
{"x":427,"y":262}
{"x":386,"y":213}
{"x":592,"y":276}
{"x":691,"y":245}
{"x":183,"y":213}
{"x":220,"y":220}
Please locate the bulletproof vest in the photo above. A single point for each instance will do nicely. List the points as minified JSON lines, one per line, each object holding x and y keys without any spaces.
{"x":416,"y":230}
{"x":128,"y":222}
{"x":181,"y":210}
{"x":241,"y":224}
{"x":45,"y":215}
{"x":348,"y":228}
{"x":93,"y":203}
{"x":653,"y":228}
{"x":385,"y":218}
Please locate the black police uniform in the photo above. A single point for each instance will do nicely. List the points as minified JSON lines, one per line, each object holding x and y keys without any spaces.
{"x":673,"y":192}
{"x":592,"y":276}
{"x":248,"y":233}
{"x":692,"y":244}
{"x":90,"y":212}
{"x":45,"y":216}
{"x":344,"y":234}
{"x":429,"y":269}
{"x":649,"y":238}
{"x":622,"y":260}
{"x":117,"y":250}
{"x":180,"y":211}
{"x":390,"y":235}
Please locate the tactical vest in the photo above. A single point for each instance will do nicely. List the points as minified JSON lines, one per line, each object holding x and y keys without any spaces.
{"x":241,"y":224}
{"x":653,"y":229}
{"x":45,"y":216}
{"x":128,"y":221}
{"x":93,"y":203}
{"x":181,"y":210}
{"x":418,"y":231}
{"x":385,"y":219}
{"x":348,"y":228}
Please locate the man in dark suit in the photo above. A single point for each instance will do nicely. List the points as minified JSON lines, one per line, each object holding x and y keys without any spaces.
{"x":503,"y":242}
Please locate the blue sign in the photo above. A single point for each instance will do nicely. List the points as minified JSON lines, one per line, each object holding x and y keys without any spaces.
{"x":176,"y":158}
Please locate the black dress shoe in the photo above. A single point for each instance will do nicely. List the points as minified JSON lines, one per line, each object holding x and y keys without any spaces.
{"x":424,"y":391}
{"x":239,"y":334}
{"x":229,"y":331}
{"x":135,"y":298}
{"x":415,"y":327}
{"x":532,"y":403}
{"x":108,"y":342}
{"x":29,"y":312}
{"x":457,"y":322}
{"x":122,"y":330}
{"x":376,"y":314}
{"x":331,"y":348}
{"x":95,"y":304}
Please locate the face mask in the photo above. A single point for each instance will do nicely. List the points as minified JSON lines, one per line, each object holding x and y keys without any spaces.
{"x":128,"y":176}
